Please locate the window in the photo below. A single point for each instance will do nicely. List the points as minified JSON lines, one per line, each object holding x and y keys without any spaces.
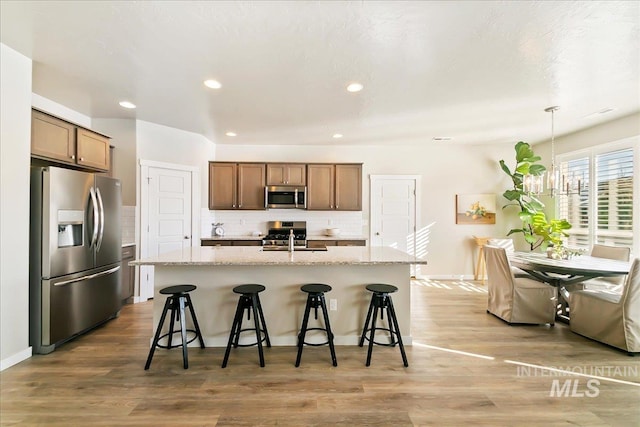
{"x":602,"y":211}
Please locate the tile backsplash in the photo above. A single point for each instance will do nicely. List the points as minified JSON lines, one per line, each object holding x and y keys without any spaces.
{"x":244,"y":223}
{"x":128,"y":224}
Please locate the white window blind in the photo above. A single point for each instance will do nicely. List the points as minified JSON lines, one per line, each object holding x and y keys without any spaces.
{"x":614,"y":205}
{"x":575,"y":206}
{"x":602,"y":212}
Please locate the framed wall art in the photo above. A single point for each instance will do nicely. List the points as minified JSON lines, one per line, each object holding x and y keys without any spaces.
{"x":475,"y":208}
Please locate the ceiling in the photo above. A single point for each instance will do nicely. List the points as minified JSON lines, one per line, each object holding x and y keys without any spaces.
{"x":478,"y":72}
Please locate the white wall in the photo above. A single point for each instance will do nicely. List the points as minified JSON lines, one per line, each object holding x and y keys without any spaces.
{"x":15,"y":137}
{"x":614,"y":130}
{"x":59,"y":110}
{"x":123,"y":139}
{"x":165,"y":144}
{"x":446,"y":169}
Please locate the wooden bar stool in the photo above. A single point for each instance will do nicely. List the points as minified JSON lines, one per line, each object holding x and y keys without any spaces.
{"x":315,"y":299}
{"x":250,"y":301}
{"x":177,"y":301}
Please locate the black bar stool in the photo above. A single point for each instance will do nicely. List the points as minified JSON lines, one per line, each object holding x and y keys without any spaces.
{"x":315,"y":299}
{"x":381,"y":300}
{"x":250,"y":301}
{"x":177,"y":300}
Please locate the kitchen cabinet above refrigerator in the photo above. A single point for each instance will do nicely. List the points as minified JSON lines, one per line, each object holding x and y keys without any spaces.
{"x":58,"y":141}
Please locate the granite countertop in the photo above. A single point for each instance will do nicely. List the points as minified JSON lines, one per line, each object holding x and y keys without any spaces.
{"x":231,"y":237}
{"x":251,"y":255}
{"x":127,"y":244}
{"x":315,"y":237}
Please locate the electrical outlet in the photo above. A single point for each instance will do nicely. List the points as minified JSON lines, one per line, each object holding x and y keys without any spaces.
{"x":333,"y":304}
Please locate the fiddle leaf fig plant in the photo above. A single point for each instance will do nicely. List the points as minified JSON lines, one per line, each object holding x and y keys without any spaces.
{"x":536,"y":229}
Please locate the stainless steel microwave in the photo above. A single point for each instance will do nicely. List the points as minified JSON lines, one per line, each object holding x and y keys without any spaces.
{"x":285,"y":197}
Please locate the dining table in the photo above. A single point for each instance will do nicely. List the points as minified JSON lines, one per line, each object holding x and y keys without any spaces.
{"x":565,"y":272}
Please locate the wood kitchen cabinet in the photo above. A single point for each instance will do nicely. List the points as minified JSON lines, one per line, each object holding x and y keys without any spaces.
{"x":57,"y":140}
{"x":92,"y":149}
{"x":128,"y":274}
{"x":219,"y":242}
{"x":341,"y":242}
{"x":236,"y":185}
{"x":286,"y":174}
{"x":334,"y":187}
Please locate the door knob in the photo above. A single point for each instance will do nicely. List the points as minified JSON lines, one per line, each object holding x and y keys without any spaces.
{"x":186,"y":237}
{"x":377,"y":234}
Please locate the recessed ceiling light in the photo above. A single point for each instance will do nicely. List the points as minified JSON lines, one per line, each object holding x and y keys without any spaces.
{"x":231,"y":134}
{"x":355,"y":87}
{"x":127,"y":104}
{"x":213,"y":84}
{"x":337,"y":135}
{"x":442,"y":138}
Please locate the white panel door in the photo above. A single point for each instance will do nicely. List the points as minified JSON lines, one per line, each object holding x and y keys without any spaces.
{"x":169,"y":210}
{"x":167,"y":200}
{"x":393,"y":212}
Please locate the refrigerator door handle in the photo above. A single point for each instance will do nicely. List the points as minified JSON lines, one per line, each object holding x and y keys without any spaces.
{"x":88,"y":277}
{"x":101,"y":208}
{"x":94,"y":203}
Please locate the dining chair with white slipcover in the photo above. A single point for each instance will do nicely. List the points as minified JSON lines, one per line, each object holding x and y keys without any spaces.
{"x":609,"y":284}
{"x":507,"y":244}
{"x":612,"y":319}
{"x":517,"y":299}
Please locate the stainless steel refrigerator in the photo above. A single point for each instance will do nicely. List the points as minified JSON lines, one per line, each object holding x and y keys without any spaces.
{"x":75,"y":254}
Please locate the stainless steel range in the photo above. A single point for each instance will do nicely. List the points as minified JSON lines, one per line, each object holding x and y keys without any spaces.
{"x":278,"y":234}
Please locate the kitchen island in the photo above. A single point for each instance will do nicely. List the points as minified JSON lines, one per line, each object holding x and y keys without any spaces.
{"x":217,"y":270}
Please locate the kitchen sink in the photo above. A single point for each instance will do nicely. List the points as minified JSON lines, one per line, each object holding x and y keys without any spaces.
{"x":285,"y":249}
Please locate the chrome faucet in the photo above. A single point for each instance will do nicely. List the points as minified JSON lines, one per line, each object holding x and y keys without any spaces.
{"x":291,"y":241}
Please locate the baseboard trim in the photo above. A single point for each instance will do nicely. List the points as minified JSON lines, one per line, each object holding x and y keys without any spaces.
{"x":15,"y":359}
{"x":447,"y":277}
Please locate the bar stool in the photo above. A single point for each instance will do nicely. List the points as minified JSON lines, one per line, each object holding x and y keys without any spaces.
{"x":250,"y":301}
{"x":315,"y":298}
{"x":380,"y":299}
{"x":177,"y":300}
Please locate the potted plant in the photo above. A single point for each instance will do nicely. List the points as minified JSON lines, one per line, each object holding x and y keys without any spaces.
{"x":538,"y":231}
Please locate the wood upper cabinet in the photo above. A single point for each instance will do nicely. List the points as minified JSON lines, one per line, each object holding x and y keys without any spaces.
{"x":222,"y":185}
{"x":286,"y":174}
{"x":52,"y":138}
{"x":251,"y":183}
{"x":92,"y":149}
{"x":349,"y":187}
{"x":334,"y":187}
{"x":321,"y":187}
{"x":236,"y":185}
{"x":60,"y":141}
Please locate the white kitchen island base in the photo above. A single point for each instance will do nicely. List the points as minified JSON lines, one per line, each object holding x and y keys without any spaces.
{"x":217,"y":270}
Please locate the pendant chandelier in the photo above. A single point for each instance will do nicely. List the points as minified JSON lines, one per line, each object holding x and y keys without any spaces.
{"x":557,"y":183}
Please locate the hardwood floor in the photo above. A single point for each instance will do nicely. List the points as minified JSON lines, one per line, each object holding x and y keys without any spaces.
{"x":98,"y":379}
